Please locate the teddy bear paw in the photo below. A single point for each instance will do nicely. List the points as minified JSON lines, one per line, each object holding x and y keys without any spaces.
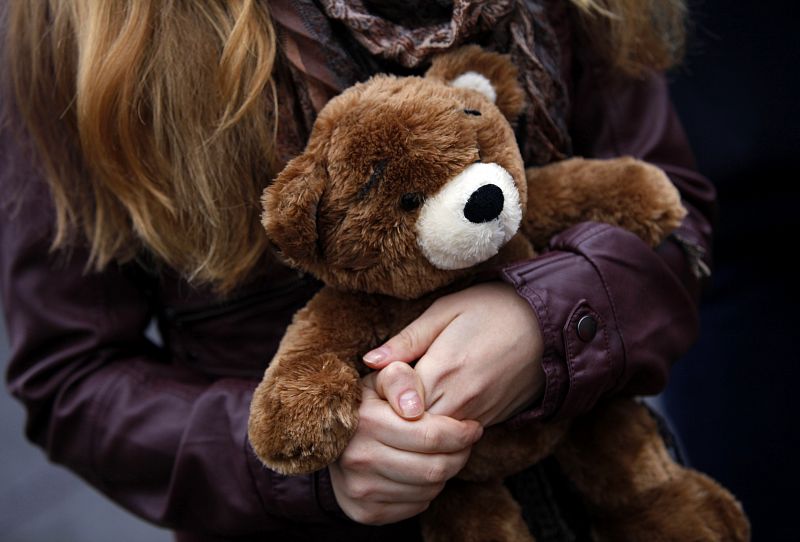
{"x":652,"y":204}
{"x":303,"y":417}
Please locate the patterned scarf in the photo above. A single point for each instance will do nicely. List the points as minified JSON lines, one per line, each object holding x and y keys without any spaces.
{"x":332,"y":44}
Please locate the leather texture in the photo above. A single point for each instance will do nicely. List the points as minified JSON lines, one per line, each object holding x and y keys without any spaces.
{"x":161,"y":429}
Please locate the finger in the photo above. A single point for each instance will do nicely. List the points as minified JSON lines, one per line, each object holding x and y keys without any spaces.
{"x":415,"y":338}
{"x":428,"y":435}
{"x":361,"y":498}
{"x":399,"y":384}
{"x":377,"y":488}
{"x":443,"y":372}
{"x":384,"y":513}
{"x":423,"y":470}
{"x":375,"y":461}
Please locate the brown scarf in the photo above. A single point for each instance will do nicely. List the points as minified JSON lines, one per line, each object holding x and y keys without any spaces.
{"x":332,"y":44}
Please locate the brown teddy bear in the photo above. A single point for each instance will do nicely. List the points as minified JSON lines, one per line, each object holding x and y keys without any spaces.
{"x":409,"y":188}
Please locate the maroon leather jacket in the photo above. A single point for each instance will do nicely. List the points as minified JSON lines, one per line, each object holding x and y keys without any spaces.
{"x":162,"y":429}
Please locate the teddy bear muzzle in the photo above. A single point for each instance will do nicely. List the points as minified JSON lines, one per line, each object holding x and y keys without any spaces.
{"x":470,"y":218}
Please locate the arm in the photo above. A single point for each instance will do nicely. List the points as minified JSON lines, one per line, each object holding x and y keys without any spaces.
{"x":644,"y":301}
{"x":163,"y":441}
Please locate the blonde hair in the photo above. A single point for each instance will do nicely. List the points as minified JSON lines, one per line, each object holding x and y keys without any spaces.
{"x":634,"y":36}
{"x":155,"y":129}
{"x":154,"y":125}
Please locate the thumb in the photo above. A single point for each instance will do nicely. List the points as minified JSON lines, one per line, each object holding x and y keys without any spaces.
{"x":400,"y":385}
{"x":414,"y":340}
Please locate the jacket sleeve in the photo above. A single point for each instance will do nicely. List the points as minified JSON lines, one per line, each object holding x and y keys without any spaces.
{"x":643,"y":301}
{"x":162,"y":440}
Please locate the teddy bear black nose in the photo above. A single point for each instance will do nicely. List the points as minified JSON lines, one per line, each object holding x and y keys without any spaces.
{"x":485,"y":204}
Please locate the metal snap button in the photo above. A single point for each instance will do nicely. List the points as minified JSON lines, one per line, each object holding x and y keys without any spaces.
{"x":586,"y":328}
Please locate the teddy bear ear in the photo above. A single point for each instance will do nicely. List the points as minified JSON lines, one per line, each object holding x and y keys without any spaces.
{"x":289,"y":206}
{"x":491,"y":74}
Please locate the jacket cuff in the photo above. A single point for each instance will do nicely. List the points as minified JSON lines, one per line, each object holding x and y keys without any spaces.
{"x":325,"y":495}
{"x":614,"y":317}
{"x":556,"y":376}
{"x":565,"y":290}
{"x":301,"y":499}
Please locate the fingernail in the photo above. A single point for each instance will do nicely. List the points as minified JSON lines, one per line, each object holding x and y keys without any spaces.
{"x":410,"y":404}
{"x":377,"y":355}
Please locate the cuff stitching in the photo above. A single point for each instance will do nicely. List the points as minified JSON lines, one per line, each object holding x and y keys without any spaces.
{"x":548,"y":354}
{"x":613,"y":307}
{"x":592,"y":232}
{"x":583,"y":308}
{"x":520,"y":271}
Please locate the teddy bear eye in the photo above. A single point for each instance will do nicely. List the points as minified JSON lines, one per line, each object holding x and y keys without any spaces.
{"x":410,"y":201}
{"x":474,"y":112}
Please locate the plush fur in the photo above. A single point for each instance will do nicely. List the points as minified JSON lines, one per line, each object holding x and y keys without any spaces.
{"x":347,"y":210}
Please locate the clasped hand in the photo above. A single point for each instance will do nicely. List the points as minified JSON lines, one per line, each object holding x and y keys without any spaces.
{"x":478,"y":356}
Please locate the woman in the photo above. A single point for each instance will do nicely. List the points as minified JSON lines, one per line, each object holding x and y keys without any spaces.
{"x":139,"y":137}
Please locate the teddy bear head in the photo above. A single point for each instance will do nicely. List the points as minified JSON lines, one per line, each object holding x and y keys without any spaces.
{"x":406,"y":183}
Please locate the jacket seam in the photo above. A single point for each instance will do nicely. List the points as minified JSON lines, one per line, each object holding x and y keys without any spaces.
{"x":521,"y":271}
{"x":598,"y":228}
{"x":572,"y":353}
{"x":612,"y":120}
{"x":249,"y":462}
{"x":549,"y":399}
{"x":101,"y":406}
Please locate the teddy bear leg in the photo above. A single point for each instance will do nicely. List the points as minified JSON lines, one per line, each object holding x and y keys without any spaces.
{"x":617,"y":459}
{"x":692,"y":507}
{"x":474,"y":512}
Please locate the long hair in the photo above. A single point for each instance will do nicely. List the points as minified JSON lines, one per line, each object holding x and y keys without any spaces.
{"x":634,"y":36}
{"x":156,"y":124}
{"x":156,"y":119}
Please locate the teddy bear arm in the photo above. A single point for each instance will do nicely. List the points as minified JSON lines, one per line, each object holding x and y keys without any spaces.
{"x":623,"y":192}
{"x":305,"y":410}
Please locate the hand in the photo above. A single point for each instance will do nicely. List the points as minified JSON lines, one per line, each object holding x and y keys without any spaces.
{"x":479,"y":353}
{"x":392,"y":468}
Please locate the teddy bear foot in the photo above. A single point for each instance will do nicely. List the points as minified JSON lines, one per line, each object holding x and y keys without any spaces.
{"x":689,"y":508}
{"x":303,"y":414}
{"x":474,"y":512}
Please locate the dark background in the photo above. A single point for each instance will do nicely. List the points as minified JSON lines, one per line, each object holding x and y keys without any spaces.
{"x":732,"y":399}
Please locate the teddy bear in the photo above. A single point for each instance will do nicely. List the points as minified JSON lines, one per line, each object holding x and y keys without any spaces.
{"x":410,"y":188}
